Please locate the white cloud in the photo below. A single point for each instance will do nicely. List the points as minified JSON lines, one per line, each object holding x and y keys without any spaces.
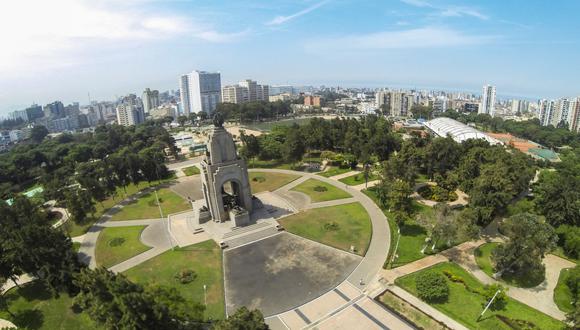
{"x":427,"y":37}
{"x":40,"y":34}
{"x":283,"y":19}
{"x":448,"y":11}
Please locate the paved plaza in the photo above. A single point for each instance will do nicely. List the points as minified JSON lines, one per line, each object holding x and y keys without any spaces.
{"x":282,"y":272}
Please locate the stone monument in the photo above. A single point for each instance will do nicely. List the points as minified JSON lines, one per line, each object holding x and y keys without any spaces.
{"x":225,"y":182}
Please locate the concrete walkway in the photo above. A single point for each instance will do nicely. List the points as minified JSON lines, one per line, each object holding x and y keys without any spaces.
{"x":380,"y":240}
{"x":344,"y":175}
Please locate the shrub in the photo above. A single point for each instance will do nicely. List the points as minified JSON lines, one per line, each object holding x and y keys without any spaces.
{"x":330,"y":226}
{"x":116,"y":241}
{"x":320,"y":189}
{"x":569,"y":240}
{"x":185,"y":276}
{"x":573,"y":283}
{"x":259,"y":179}
{"x":432,"y":287}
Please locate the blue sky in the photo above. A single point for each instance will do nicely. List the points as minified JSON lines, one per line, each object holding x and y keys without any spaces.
{"x":64,"y":49}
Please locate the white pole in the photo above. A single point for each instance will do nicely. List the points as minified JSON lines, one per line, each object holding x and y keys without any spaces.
{"x":396,"y":245}
{"x":489,"y":304}
{"x":204,"y":295}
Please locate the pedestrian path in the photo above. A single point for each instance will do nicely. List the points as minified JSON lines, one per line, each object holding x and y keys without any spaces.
{"x":344,"y":175}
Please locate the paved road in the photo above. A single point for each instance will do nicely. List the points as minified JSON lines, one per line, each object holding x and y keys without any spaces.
{"x":380,"y":240}
{"x":185,"y":163}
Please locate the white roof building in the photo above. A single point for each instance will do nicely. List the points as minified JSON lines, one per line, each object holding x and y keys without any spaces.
{"x":459,"y":132}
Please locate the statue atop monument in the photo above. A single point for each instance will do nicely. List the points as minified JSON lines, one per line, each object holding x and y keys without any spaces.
{"x":225,"y":181}
{"x":218,"y":120}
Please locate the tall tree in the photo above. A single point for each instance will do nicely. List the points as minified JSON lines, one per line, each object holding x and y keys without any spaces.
{"x":38,"y":133}
{"x":530,"y":238}
{"x":243,"y":319}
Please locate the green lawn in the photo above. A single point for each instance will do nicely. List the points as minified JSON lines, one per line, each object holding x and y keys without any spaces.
{"x":76,"y":246}
{"x":117,"y":244}
{"x":191,"y":170}
{"x":412,"y":235}
{"x":146,"y":206}
{"x":334,"y":170}
{"x":562,"y":294}
{"x":465,"y":306}
{"x":101,"y":207}
{"x":205,"y":259}
{"x":275,"y":163}
{"x":328,"y":193}
{"x":483,"y":259}
{"x":34,"y":308}
{"x":355,"y":180}
{"x":414,"y":315}
{"x":265,"y":181}
{"x":338,"y":226}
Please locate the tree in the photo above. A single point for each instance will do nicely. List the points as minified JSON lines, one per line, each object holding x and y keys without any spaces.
{"x":30,"y":245}
{"x":398,"y":196}
{"x":293,"y":147}
{"x":251,"y":145}
{"x":38,"y":133}
{"x":243,"y":319}
{"x":530,"y":239}
{"x":116,"y":303}
{"x":573,"y":283}
{"x":79,"y":203}
{"x":569,"y":240}
{"x":500,"y":300}
{"x":202,"y":115}
{"x":182,"y":120}
{"x":445,"y":228}
{"x":432,"y":286}
{"x":558,"y":198}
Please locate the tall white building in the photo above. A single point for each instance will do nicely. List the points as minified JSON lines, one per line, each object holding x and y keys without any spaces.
{"x":204,"y":91}
{"x":546,"y":110}
{"x":184,"y":94}
{"x":398,"y":104}
{"x":150,"y":99}
{"x":487,"y":100}
{"x":574,"y":115}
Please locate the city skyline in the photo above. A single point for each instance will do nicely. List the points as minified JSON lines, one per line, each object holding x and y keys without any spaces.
{"x":424,"y":44}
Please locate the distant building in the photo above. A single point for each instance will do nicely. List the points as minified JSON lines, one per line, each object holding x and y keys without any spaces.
{"x":245,"y":91}
{"x":487,"y":100}
{"x":459,"y":132}
{"x":33,"y":112}
{"x":313,"y":101}
{"x":150,"y":99}
{"x":200,"y":91}
{"x":129,"y":114}
{"x":280,"y":97}
{"x":54,"y":110}
{"x":16,"y":135}
{"x":471,"y":107}
{"x":546,"y":111}
{"x":19,"y":114}
{"x":440,"y":104}
{"x":574,"y":115}
{"x":184,"y":94}
{"x":397,"y":104}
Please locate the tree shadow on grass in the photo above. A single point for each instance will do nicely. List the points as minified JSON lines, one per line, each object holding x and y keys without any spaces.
{"x":29,"y":319}
{"x":412,"y":230}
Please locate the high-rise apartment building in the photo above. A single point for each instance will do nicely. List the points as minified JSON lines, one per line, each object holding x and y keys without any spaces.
{"x":397,"y":104}
{"x":546,"y":111}
{"x":150,"y":99}
{"x":184,"y":94}
{"x":574,"y":115}
{"x":487,"y":100}
{"x":203,"y":91}
{"x":312,"y":100}
{"x":245,"y":91}
{"x":129,"y":114}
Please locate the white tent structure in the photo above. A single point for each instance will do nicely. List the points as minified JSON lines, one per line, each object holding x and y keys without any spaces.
{"x":459,"y":132}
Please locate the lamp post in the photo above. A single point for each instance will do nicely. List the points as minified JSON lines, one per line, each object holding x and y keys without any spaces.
{"x":205,"y":295}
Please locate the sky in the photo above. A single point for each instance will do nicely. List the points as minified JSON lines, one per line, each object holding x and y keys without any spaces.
{"x":66,"y":49}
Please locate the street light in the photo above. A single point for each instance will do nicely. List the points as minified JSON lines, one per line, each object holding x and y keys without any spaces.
{"x":205,"y":295}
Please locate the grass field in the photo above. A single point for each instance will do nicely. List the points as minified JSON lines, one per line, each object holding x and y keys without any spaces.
{"x":117,"y":244}
{"x":101,"y":207}
{"x":328,"y":193}
{"x":191,"y":170}
{"x":279,"y":164}
{"x":483,"y":259}
{"x":34,"y":308}
{"x":205,"y":259}
{"x":465,"y":306}
{"x":338,"y":226}
{"x":417,"y":317}
{"x":562,"y":294}
{"x":334,"y":170}
{"x":355,"y":180}
{"x":146,"y":206}
{"x":265,"y":181}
